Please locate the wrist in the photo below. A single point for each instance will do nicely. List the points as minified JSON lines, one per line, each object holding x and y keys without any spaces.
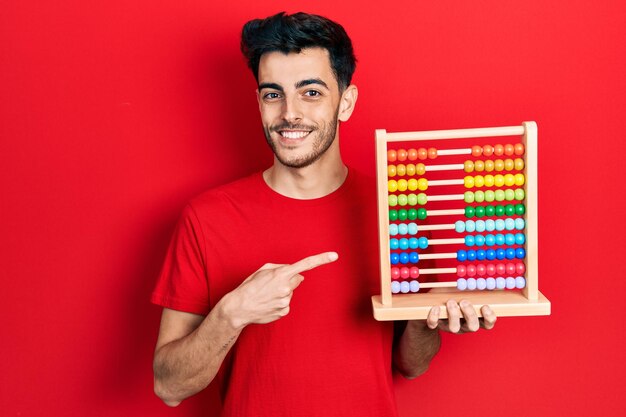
{"x":229,"y":308}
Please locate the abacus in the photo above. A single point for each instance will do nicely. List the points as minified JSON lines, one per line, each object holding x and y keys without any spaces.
{"x":464,"y":192}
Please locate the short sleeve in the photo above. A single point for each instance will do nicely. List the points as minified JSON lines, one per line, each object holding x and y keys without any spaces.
{"x":182,"y":284}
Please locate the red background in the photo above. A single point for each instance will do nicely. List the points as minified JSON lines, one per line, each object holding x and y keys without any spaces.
{"x":114,"y":114}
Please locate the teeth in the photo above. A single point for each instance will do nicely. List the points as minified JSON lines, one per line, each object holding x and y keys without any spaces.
{"x":293,"y":135}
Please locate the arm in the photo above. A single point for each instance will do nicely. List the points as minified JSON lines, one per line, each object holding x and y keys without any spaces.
{"x":190,"y":349}
{"x":420,"y":341}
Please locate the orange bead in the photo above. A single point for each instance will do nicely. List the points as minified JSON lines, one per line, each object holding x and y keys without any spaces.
{"x":499,"y":165}
{"x":420,"y":169}
{"x":402,"y":154}
{"x":401,"y":170}
{"x":391,"y":171}
{"x":477,"y":150}
{"x":509,"y":164}
{"x":432,"y":153}
{"x":392,"y":155}
{"x":479,"y":166}
{"x":410,"y":170}
{"x":509,"y":149}
{"x":498,"y":150}
{"x":422,"y":153}
{"x":489,"y":165}
{"x":487,"y":150}
{"x":468,"y":166}
{"x":519,"y":149}
{"x":412,"y":154}
{"x":519,"y":164}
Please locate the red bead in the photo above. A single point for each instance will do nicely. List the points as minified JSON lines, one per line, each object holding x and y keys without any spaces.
{"x":402,"y":154}
{"x":498,"y":150}
{"x":460,"y":270}
{"x":404,"y":272}
{"x":395,"y":273}
{"x":471,"y":270}
{"x":392,"y":155}
{"x":500,"y":269}
{"x":487,"y":150}
{"x":477,"y":150}
{"x":422,"y":153}
{"x":432,"y":153}
{"x":412,"y":154}
{"x":509,"y":149}
{"x":491,"y":270}
{"x":481,"y":270}
{"x":510,"y":269}
{"x":414,"y":272}
{"x":519,"y":149}
{"x":520,"y":268}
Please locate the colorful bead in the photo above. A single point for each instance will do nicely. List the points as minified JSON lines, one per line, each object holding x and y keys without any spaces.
{"x":509,"y":224}
{"x":391,"y":170}
{"x":499,"y":223}
{"x":401,"y":170}
{"x":393,"y":200}
{"x":422,"y":184}
{"x":490,"y":269}
{"x":394,"y":258}
{"x":422,"y":153}
{"x":509,"y":149}
{"x":519,"y":149}
{"x":520,"y":209}
{"x":479,"y":166}
{"x":520,"y":253}
{"x":518,"y":164}
{"x":520,"y":268}
{"x":395,"y":273}
{"x":405,"y":287}
{"x":432,"y":153}
{"x":481,"y":254}
{"x":519,"y":194}
{"x":491,"y":283}
{"x":470,"y":270}
{"x":479,"y":181}
{"x":423,"y":243}
{"x":469,"y":212}
{"x":420,"y":169}
{"x":510,"y":283}
{"x":490,"y":240}
{"x":509,"y":268}
{"x":479,"y":196}
{"x":461,"y":255}
{"x":395,"y":287}
{"x":500,"y":283}
{"x":500,"y":252}
{"x":469,"y":240}
{"x":471,"y":284}
{"x":509,"y":209}
{"x":421,"y":212}
{"x":498,"y":180}
{"x":402,"y":214}
{"x":480,"y":226}
{"x":520,"y":224}
{"x":500,"y":269}
{"x":471,"y":255}
{"x":499,"y":209}
{"x":410,"y":170}
{"x":520,"y":282}
{"x":402,"y":229}
{"x":414,"y":286}
{"x":412,"y":228}
{"x":490,"y":254}
{"x":487,"y":150}
{"x":519,"y":179}
{"x":509,"y":165}
{"x":391,"y":155}
{"x":468,"y":197}
{"x":393,"y":229}
{"x":412,"y":184}
{"x":490,"y":196}
{"x":509,"y":253}
{"x":402,"y":154}
{"x":509,"y":180}
{"x":477,"y":150}
{"x":461,"y":271}
{"x":490,"y":210}
{"x":499,"y":241}
{"x":414,"y":272}
{"x":461,"y":284}
{"x":479,"y":240}
{"x":489,"y":180}
{"x":412,"y":199}
{"x":468,"y":181}
{"x":402,"y":185}
{"x":403,"y":243}
{"x":520,"y":238}
{"x":468,"y":166}
{"x":411,"y":214}
{"x":402,"y":199}
{"x":414,"y":257}
{"x":509,"y":194}
{"x":498,"y":150}
{"x":481,"y":284}
{"x":489,"y":165}
{"x":498,"y":165}
{"x":490,"y":225}
{"x":480,"y":211}
{"x":413,"y":243}
{"x":392,"y":186}
{"x":470,"y":226}
{"x":509,"y":239}
{"x":394,"y":244}
{"x":459,"y":226}
{"x":421,"y":199}
{"x":412,"y":154}
{"x":481,"y":269}
{"x":393,"y":215}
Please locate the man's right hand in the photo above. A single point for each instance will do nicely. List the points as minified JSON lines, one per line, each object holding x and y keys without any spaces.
{"x":266,"y":294}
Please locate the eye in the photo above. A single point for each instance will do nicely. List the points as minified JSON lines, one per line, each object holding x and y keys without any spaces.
{"x":271,"y":96}
{"x":312,"y":93}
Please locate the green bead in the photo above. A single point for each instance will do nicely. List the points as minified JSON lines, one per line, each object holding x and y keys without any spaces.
{"x":468,"y":197}
{"x":490,"y":211}
{"x":509,"y":194}
{"x":499,"y":211}
{"x":519,"y":194}
{"x":402,"y":214}
{"x":421,"y":213}
{"x":469,"y":212}
{"x":520,"y":209}
{"x":402,"y":199}
{"x":393,"y":200}
{"x":490,"y":196}
{"x":393,"y":215}
{"x":479,"y":196}
{"x":509,"y":209}
{"x":499,"y":195}
{"x":480,"y":211}
{"x":421,"y":199}
{"x":412,"y":199}
{"x":412,"y":214}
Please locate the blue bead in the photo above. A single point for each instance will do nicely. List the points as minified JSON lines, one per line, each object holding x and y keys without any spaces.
{"x":404,"y":258}
{"x":395,"y":258}
{"x":404,"y":243}
{"x":481,"y":284}
{"x":414,"y":257}
{"x":461,"y":284}
{"x":509,"y":239}
{"x":490,"y":225}
{"x":491,"y":283}
{"x":469,"y":240}
{"x":470,"y":226}
{"x":413,"y":243}
{"x":423,"y":243}
{"x":393,"y":243}
{"x":395,"y":287}
{"x":491,"y":254}
{"x":461,"y":255}
{"x":405,"y":287}
{"x":510,"y":253}
{"x":499,"y":225}
{"x":510,"y":283}
{"x":520,"y":223}
{"x":500,"y":283}
{"x":414,"y":286}
{"x":479,"y":240}
{"x":471,"y":284}
{"x":509,"y":224}
{"x":412,"y":228}
{"x":459,"y":226}
{"x":520,"y":238}
{"x":480,"y":226}
{"x":471,"y":255}
{"x":481,"y":254}
{"x":403,"y":229}
{"x":500,"y":254}
{"x":499,"y":239}
{"x":393,"y":229}
{"x":490,"y":240}
{"x":520,"y":282}
{"x":520,"y":253}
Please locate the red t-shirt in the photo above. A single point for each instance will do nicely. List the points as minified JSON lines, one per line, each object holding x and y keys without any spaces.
{"x":328,"y":357}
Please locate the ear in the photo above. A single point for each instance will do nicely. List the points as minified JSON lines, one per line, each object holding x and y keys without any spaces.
{"x":347,"y":103}
{"x":258,"y":98}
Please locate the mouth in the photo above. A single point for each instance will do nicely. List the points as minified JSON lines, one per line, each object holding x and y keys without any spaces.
{"x":294,"y":134}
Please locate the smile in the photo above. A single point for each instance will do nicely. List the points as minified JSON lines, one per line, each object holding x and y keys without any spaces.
{"x":294,"y":134}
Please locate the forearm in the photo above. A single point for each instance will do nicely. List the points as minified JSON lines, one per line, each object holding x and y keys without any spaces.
{"x":415,"y":349}
{"x":186,"y":366}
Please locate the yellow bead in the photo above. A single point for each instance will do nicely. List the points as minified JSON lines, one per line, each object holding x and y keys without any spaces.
{"x":468,"y":166}
{"x":509,"y":180}
{"x":489,"y":165}
{"x":519,"y":164}
{"x":420,"y":169}
{"x":499,"y":165}
{"x":479,"y":181}
{"x":509,"y":164}
{"x":479,"y":166}
{"x":391,"y":171}
{"x":402,"y":185}
{"x":392,"y":185}
{"x":519,"y":179}
{"x":489,"y":181}
{"x":468,"y":182}
{"x":401,"y":170}
{"x":498,"y":180}
{"x":422,"y":184}
{"x":412,"y":184}
{"x":410,"y":170}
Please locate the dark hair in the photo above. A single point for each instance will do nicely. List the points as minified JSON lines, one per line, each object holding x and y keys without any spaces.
{"x":292,"y":33}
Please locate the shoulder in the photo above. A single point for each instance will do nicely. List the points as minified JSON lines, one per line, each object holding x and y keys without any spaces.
{"x":235,"y":192}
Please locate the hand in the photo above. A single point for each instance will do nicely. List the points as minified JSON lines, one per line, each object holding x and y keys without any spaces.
{"x":266,"y":294}
{"x":462,"y":318}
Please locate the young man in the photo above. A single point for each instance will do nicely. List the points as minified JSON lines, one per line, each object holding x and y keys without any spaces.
{"x":284,"y":345}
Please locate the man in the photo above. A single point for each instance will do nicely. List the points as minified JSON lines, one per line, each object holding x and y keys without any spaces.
{"x":283,"y":346}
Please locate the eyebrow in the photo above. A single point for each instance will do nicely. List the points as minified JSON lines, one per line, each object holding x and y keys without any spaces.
{"x":298,"y":85}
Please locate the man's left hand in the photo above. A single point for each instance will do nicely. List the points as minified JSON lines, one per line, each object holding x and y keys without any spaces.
{"x":462,"y":318}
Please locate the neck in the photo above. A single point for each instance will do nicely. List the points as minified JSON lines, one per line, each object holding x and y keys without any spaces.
{"x":314,"y":181}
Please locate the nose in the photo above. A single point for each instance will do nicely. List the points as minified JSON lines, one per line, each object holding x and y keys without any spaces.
{"x":291,"y":111}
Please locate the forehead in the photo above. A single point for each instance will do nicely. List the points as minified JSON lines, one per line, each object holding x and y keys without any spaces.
{"x":288,"y":69}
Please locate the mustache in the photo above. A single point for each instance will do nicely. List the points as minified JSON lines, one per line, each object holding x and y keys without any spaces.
{"x":288,"y":126}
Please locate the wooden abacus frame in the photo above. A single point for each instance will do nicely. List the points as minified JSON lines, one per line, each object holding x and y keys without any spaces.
{"x":528,"y":302}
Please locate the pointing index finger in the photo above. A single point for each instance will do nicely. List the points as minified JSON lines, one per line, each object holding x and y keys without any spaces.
{"x":309,"y":263}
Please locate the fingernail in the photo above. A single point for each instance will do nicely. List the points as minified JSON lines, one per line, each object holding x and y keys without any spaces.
{"x":333,"y":256}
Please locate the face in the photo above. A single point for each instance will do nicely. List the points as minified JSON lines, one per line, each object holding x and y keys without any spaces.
{"x":300,"y":105}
